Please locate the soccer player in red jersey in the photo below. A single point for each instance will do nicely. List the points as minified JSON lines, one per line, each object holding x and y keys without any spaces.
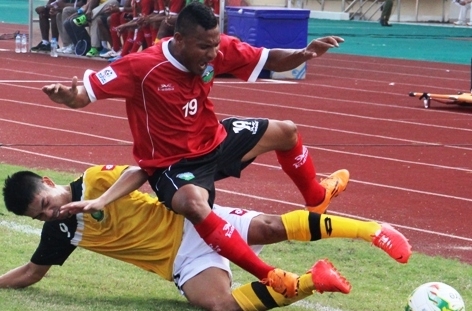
{"x":178,"y":139}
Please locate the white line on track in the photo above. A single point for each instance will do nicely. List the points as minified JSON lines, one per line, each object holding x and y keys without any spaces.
{"x":219,"y":81}
{"x":291,"y":203}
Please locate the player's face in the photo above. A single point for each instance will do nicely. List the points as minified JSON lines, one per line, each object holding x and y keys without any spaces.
{"x":199,"y":48}
{"x":47,"y":202}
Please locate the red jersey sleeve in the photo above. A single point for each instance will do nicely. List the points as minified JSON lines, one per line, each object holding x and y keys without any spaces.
{"x":114,"y":81}
{"x":240,"y":59}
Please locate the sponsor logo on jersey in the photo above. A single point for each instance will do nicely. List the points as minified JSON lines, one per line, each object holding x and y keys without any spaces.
{"x":106,"y":75}
{"x":186,"y":176}
{"x":301,"y":159}
{"x":165,"y":87}
{"x":208,"y":74}
{"x":108,"y":167}
{"x":98,"y":216}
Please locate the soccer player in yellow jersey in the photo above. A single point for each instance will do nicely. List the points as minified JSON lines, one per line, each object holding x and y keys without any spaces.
{"x":134,"y":227}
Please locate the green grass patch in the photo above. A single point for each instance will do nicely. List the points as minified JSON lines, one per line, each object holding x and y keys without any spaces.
{"x":88,"y":281}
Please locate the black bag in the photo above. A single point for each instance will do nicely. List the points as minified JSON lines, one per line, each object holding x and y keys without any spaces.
{"x":79,"y":36}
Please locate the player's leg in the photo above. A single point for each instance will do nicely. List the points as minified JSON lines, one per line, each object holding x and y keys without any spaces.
{"x":189,"y":188}
{"x":306,"y":226}
{"x":386,"y":12}
{"x":321,"y":277}
{"x":296,"y":162}
{"x":204,"y":277}
{"x":211,"y":290}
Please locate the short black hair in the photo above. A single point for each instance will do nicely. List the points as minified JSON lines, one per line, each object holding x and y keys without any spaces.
{"x":19,"y":191}
{"x":193,"y":15}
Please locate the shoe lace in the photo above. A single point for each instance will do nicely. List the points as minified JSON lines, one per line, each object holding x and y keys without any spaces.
{"x":382,"y":241}
{"x":331,"y":184}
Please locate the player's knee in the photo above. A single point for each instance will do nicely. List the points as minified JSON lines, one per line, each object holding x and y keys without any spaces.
{"x":288,"y":132}
{"x":224,"y":302}
{"x":190,"y":204}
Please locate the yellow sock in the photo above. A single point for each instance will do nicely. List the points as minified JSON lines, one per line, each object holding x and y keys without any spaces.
{"x":342,"y":227}
{"x":302,"y":225}
{"x":256,"y":296}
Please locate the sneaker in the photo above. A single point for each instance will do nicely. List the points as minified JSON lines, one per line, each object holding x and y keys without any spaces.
{"x":326,"y":278}
{"x":284,"y":283}
{"x":334,"y":185}
{"x":111,"y":60}
{"x":41,"y":47}
{"x":110,"y":53}
{"x":70,"y":49}
{"x":81,"y":20}
{"x":459,"y":23}
{"x":103,"y":51}
{"x":93,"y":52}
{"x":393,"y":243}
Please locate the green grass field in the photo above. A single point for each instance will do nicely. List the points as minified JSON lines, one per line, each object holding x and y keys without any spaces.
{"x":88,"y":281}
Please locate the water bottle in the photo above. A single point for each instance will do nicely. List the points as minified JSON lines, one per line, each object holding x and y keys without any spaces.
{"x":18,"y":43}
{"x":53,"y":47}
{"x":24,"y":43}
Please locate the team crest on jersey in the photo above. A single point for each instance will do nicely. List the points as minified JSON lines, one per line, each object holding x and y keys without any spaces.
{"x":106,"y":75}
{"x":108,"y":167}
{"x":98,"y":216}
{"x":208,"y":74}
{"x":186,"y":176}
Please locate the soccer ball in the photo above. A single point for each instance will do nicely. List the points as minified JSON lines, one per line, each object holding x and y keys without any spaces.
{"x":435,"y":296}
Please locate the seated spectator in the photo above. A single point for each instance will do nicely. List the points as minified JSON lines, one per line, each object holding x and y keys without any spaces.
{"x":75,"y":27}
{"x":47,"y":21}
{"x":93,"y":10}
{"x":117,"y":15}
{"x":68,"y":11}
{"x":138,"y":33}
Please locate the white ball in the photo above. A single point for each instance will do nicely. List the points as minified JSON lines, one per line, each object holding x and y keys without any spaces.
{"x":435,"y":296}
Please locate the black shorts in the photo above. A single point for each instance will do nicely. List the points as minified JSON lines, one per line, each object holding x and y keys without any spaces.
{"x":224,"y":161}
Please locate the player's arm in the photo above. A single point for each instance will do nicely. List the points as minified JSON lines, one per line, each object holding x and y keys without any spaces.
{"x":131,"y":179}
{"x":73,"y":97}
{"x":23,"y":276}
{"x":286,"y":59}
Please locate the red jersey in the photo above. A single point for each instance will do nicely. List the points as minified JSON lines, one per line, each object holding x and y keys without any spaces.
{"x":168,"y":109}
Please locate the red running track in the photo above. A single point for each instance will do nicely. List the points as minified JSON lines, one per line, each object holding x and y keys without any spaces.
{"x":409,"y":166}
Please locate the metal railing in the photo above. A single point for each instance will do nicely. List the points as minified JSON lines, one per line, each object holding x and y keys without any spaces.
{"x":367,"y":9}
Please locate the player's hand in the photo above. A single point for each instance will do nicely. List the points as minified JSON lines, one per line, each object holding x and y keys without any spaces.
{"x":86,"y":206}
{"x":111,"y":9}
{"x":60,"y":93}
{"x":319,"y":46}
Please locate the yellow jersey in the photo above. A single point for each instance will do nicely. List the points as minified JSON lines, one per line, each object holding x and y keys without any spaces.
{"x":135,"y":228}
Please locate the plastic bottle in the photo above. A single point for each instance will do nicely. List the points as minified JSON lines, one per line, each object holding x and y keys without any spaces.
{"x":24,"y":44}
{"x":18,"y":43}
{"x":53,"y":47}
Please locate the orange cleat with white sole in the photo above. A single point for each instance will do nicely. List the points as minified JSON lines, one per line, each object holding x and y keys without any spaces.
{"x":334,"y":185}
{"x":283,"y":282}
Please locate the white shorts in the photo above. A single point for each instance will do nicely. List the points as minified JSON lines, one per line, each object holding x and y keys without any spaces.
{"x":195,"y":256}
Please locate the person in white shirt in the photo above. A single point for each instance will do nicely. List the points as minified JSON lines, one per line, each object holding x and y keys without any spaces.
{"x":464,"y":8}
